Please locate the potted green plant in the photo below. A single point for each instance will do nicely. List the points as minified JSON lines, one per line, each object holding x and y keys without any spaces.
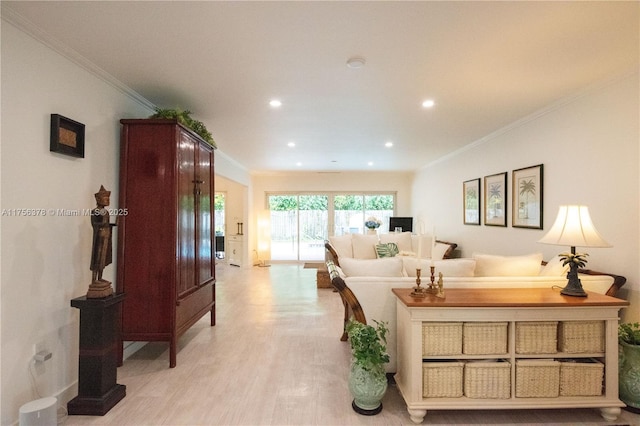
{"x":629,"y":367}
{"x":367,"y":377}
{"x":184,"y":118}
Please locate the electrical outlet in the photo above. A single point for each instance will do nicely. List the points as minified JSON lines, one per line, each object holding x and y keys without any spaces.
{"x":42,"y":356}
{"x":40,"y":352}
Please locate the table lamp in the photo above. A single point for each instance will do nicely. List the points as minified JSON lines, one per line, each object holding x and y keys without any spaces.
{"x":573,"y":227}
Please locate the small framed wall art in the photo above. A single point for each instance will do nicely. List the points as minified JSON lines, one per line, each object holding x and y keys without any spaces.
{"x":471,"y":201}
{"x":495,"y":200}
{"x":526,"y":210}
{"x":67,"y":136}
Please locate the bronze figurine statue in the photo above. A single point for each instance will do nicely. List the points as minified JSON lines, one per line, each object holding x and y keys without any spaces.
{"x":101,"y":252}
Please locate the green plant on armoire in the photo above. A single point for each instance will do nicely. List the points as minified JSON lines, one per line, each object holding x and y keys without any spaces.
{"x":184,"y":118}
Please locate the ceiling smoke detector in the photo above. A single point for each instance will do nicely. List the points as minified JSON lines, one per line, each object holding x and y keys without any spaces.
{"x":355,"y":62}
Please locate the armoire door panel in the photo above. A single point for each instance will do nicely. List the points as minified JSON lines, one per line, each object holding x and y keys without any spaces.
{"x":186,"y":214}
{"x":204,"y":231}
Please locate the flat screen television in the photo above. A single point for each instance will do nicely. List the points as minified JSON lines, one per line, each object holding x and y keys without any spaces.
{"x":406,"y":223}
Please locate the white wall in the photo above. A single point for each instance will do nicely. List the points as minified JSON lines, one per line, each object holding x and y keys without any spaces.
{"x":589,"y":147}
{"x":45,"y":260}
{"x":235,"y":203}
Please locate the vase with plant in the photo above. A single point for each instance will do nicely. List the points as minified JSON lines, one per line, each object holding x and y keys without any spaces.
{"x":367,"y":377}
{"x":372,"y":224}
{"x":629,"y":365}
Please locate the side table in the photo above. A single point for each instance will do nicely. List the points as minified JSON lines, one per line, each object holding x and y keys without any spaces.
{"x":98,"y":391}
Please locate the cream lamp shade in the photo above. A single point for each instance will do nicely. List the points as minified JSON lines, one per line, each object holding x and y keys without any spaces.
{"x":573,"y":227}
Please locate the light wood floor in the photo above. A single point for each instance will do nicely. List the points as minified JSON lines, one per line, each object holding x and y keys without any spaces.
{"x":275,"y":358}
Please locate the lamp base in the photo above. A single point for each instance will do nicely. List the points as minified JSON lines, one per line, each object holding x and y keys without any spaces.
{"x":574,"y":287}
{"x":573,"y":292}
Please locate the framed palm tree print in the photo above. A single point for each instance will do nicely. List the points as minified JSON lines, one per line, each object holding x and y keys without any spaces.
{"x":471,"y":201}
{"x":495,"y":200}
{"x":526,"y":207}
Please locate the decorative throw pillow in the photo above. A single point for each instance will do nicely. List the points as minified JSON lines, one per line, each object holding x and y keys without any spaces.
{"x":342,"y":245}
{"x":439,"y":250}
{"x":364,"y":246}
{"x":488,"y":265}
{"x":402,"y":240}
{"x":387,"y":250}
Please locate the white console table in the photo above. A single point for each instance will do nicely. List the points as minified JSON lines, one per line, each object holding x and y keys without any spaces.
{"x":511,"y":306}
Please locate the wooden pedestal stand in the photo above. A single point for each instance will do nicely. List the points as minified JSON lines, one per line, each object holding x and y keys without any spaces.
{"x":98,"y":391}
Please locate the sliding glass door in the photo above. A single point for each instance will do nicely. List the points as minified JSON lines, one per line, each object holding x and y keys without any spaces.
{"x":351,"y":211}
{"x":298,"y":226}
{"x":300,"y":223}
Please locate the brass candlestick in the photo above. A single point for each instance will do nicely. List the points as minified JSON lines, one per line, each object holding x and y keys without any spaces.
{"x":417,"y":290}
{"x":432,"y":288}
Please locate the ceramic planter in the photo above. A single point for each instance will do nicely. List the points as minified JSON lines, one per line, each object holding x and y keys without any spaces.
{"x":367,"y":389}
{"x":629,"y":375}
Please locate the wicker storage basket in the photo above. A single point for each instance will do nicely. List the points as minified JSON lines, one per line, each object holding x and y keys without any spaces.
{"x":581,"y":377}
{"x":581,"y":336}
{"x":442,"y":379}
{"x":537,"y":337}
{"x":537,"y":378}
{"x":484,"y":338}
{"x":485,"y":379}
{"x":441,"y":338}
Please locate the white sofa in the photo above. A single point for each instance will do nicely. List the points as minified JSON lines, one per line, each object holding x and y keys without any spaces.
{"x":358,"y":246}
{"x":367,"y":295}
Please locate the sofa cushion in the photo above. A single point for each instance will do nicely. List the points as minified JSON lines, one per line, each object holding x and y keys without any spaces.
{"x":342,"y":245}
{"x":364,"y":246}
{"x":387,"y":250}
{"x":384,"y":267}
{"x":488,"y":265}
{"x":455,"y":267}
{"x":554,"y":268}
{"x":448,"y":267}
{"x":401,"y":239}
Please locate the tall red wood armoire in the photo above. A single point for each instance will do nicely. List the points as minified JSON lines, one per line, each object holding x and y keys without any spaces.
{"x":166,"y":262}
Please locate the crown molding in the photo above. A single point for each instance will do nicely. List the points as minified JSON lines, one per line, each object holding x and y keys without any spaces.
{"x":537,"y":114}
{"x":12,"y":17}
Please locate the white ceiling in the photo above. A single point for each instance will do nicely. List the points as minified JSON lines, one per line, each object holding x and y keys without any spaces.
{"x":486,"y":65}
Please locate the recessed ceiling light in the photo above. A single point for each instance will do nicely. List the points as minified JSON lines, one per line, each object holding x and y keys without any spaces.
{"x":275,"y":103}
{"x":298,"y":164}
{"x":370,"y":163}
{"x":428,"y":103}
{"x":291,"y":144}
{"x":388,"y":144}
{"x":356,"y":62}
